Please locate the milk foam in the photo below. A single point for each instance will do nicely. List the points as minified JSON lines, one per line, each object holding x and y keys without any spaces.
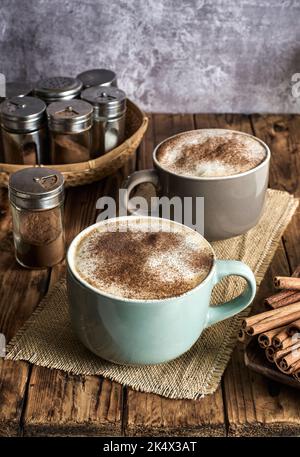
{"x":136,"y":259}
{"x":210,"y":153}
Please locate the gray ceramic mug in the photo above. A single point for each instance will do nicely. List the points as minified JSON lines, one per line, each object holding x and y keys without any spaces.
{"x":232,"y":204}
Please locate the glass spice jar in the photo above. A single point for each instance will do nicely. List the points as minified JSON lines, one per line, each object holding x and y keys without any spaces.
{"x":109,"y":105}
{"x":36,"y":198}
{"x":24,"y":131}
{"x":98,"y":77}
{"x":70,"y":130}
{"x":13,"y":89}
{"x":58,"y":88}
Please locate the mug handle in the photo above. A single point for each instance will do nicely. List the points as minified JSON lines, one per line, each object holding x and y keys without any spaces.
{"x":136,"y":178}
{"x":236,"y":305}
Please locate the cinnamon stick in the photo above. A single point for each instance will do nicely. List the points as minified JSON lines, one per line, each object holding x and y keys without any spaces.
{"x":288,"y":360}
{"x":288,"y":297}
{"x":284,"y":344}
{"x":242,"y":336}
{"x":286,"y":282}
{"x":265,"y":338}
{"x":293,"y":328}
{"x":271,"y":319}
{"x":270,"y":351}
{"x":296,"y":374}
{"x":279,"y":338}
{"x":283,"y":297}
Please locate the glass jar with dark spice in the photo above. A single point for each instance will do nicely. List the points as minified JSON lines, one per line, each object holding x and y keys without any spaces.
{"x":24,"y":131}
{"x":12,"y":89}
{"x":109,"y":104}
{"x":70,"y":130}
{"x":36,"y":198}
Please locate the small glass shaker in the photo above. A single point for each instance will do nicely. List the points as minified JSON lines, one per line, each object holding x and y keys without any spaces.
{"x":36,"y":198}
{"x":109,"y":105}
{"x":98,"y":77}
{"x":24,"y":131}
{"x":13,"y":89}
{"x":58,"y":88}
{"x":70,"y":130}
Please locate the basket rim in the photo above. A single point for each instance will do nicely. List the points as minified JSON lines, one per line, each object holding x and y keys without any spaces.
{"x":84,"y":167}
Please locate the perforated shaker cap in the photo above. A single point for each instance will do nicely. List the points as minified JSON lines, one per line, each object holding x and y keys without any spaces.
{"x":58,"y":88}
{"x":36,"y":188}
{"x":24,"y":114}
{"x":98,"y":77}
{"x":70,"y":116}
{"x":108,"y":102}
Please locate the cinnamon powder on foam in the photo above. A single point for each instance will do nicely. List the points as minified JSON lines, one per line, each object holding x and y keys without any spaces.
{"x":140,"y":264}
{"x":210,"y":153}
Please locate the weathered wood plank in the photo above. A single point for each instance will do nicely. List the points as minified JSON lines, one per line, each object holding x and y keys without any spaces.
{"x":83,"y":406}
{"x":60,"y":404}
{"x":73,"y":405}
{"x":256,"y":405}
{"x":152,"y":415}
{"x":20,"y":293}
{"x":282,"y":133}
{"x":13,"y":381}
{"x":149,"y":414}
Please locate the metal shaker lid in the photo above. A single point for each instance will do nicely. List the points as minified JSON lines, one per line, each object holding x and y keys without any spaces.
{"x":98,"y":77}
{"x":23,"y":114}
{"x":16,"y":89}
{"x":71,"y":116}
{"x":36,"y":188}
{"x":58,"y":88}
{"x":108,"y":102}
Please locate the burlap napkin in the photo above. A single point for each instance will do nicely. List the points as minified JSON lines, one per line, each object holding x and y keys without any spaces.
{"x":47,"y":338}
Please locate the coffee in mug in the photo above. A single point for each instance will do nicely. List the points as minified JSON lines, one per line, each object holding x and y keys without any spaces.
{"x":139,"y":288}
{"x":228,"y":169}
{"x":132,"y":259}
{"x":210,"y":153}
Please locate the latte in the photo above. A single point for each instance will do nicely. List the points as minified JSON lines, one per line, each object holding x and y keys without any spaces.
{"x":132,"y":259}
{"x":210,"y":153}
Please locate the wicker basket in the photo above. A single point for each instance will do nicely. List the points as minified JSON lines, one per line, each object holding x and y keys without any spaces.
{"x":77,"y":174}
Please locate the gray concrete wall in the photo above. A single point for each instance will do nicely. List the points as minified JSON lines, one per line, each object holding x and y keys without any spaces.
{"x":170,"y":55}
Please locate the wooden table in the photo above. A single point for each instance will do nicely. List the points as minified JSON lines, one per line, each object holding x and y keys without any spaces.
{"x":40,"y":401}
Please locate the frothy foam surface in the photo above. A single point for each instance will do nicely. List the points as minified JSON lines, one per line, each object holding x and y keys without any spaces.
{"x":211,"y":152}
{"x":133,"y":259}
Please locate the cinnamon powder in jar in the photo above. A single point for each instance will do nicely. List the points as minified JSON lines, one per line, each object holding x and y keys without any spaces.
{"x":41,"y":241}
{"x":36,"y":198}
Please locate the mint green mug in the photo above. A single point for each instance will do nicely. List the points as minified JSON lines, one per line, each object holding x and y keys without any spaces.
{"x":142,"y":332}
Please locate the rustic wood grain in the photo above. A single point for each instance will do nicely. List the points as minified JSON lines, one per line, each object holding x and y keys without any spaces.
{"x":88,"y":406}
{"x":254,"y":404}
{"x":50,"y":402}
{"x":153,"y":415}
{"x":282,"y":133}
{"x":20,"y":292}
{"x":83,"y":405}
{"x":60,"y":404}
{"x":13,"y":381}
{"x":149,"y":414}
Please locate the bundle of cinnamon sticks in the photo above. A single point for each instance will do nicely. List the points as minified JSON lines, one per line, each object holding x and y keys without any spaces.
{"x":278,"y":330}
